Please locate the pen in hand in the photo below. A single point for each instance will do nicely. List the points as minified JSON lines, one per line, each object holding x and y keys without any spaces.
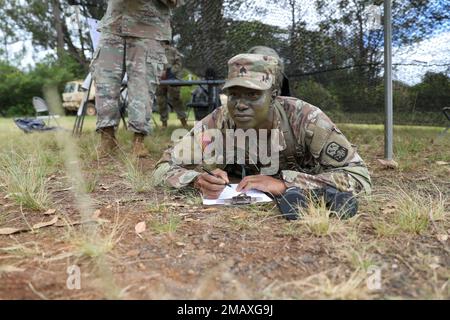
{"x":210,"y":173}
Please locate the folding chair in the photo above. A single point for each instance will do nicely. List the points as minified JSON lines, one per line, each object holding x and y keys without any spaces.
{"x":40,"y":106}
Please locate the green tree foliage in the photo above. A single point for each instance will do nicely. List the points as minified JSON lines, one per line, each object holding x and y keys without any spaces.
{"x":17,"y":88}
{"x":209,"y":32}
{"x":336,"y":66}
{"x":433,"y":93}
{"x":317,"y":95}
{"x":46,"y":24}
{"x":16,"y":91}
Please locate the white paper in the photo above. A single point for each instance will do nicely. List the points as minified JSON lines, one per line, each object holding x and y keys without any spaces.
{"x":229,"y":193}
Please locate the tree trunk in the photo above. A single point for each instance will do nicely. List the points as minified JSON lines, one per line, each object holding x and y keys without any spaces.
{"x":58,"y":26}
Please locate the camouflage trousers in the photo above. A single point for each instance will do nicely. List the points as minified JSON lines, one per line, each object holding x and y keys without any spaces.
{"x":143,"y":61}
{"x":172,"y":94}
{"x":340,"y":180}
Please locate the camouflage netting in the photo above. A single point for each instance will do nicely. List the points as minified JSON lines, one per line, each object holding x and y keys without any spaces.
{"x":333,"y":50}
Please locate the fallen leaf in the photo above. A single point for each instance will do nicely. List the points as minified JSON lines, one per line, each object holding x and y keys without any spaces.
{"x":141,"y":266}
{"x":442,"y":237}
{"x":133,"y":253}
{"x":180,"y":244}
{"x":8,"y":269}
{"x":434,"y":266}
{"x":96,"y":214}
{"x":50,"y":212}
{"x":388,"y":164}
{"x":184,"y":214}
{"x":52,"y":177}
{"x":140,"y":227}
{"x":45,"y":224}
{"x":63,"y":190}
{"x":174,"y":204}
{"x":6,"y":231}
{"x":239,"y":215}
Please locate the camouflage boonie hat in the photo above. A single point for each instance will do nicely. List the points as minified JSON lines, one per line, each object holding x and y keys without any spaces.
{"x":254,"y":71}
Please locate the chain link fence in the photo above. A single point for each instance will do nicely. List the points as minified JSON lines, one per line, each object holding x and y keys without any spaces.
{"x":332,"y":50}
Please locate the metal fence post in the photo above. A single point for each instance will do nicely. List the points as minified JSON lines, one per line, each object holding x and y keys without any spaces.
{"x":389,"y":122}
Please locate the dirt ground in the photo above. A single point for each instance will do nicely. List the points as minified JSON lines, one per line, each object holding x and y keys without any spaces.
{"x":396,"y":248}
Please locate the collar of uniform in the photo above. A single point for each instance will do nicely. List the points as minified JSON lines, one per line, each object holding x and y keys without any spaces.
{"x":277,"y":125}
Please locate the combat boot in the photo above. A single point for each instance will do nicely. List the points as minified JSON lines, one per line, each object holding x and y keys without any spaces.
{"x":139,"y":149}
{"x":184,"y":123}
{"x":108,"y":143}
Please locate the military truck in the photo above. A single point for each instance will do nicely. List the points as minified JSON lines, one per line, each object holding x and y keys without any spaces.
{"x":73,"y":96}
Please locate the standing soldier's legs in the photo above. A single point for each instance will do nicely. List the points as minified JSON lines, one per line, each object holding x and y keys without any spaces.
{"x":163,"y":108}
{"x":139,"y":95}
{"x":108,"y":71}
{"x":144,"y":70}
{"x":174,"y":95}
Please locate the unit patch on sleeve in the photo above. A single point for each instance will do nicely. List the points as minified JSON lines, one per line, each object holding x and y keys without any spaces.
{"x":336,"y":151}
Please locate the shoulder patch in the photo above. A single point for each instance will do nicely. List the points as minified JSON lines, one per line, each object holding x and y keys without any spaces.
{"x":336,"y":151}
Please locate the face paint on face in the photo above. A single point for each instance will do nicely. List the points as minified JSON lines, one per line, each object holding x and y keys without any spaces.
{"x":249,"y":108}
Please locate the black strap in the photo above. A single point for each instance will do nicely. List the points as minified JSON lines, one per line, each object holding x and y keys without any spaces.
{"x":293,"y":152}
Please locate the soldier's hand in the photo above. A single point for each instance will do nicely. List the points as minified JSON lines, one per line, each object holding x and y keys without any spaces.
{"x":212,"y":186}
{"x":262,"y":183}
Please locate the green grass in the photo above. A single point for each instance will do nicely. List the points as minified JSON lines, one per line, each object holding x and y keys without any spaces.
{"x":137,"y":179}
{"x":167,"y":223}
{"x":24,"y":179}
{"x":418,"y":211}
{"x":412,"y":212}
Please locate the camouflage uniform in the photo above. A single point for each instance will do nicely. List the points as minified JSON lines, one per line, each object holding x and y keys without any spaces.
{"x":171,"y":93}
{"x":132,"y":31}
{"x":327,"y":158}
